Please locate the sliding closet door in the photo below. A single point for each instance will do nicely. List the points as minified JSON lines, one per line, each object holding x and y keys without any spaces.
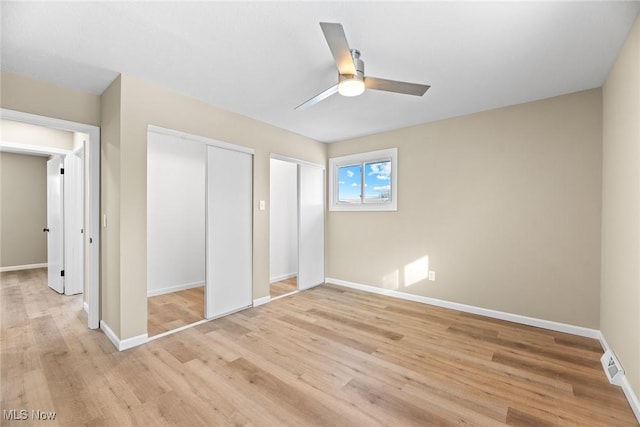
{"x":311,"y":226}
{"x":229,"y":231}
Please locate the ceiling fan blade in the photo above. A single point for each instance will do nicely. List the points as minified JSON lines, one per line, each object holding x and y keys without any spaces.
{"x":395,"y":86}
{"x":337,"y":41}
{"x":319,"y":97}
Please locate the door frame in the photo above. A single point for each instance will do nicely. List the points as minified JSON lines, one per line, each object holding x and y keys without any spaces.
{"x":92,"y":250}
{"x":300,"y":163}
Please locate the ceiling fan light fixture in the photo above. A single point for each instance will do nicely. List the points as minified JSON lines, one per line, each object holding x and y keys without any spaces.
{"x":350,"y":86}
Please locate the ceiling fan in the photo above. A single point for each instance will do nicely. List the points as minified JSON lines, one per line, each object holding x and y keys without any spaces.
{"x":351,"y":78}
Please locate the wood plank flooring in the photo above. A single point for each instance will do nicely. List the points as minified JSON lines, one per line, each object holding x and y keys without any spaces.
{"x":326,"y":356}
{"x":170,"y":311}
{"x":283,"y":287}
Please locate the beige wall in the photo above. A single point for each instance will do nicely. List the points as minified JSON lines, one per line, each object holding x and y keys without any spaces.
{"x":23,"y":209}
{"x":33,"y":96}
{"x":620,"y":296}
{"x":143,"y":104}
{"x":505,"y":204}
{"x":110,"y":206}
{"x":28,"y":134}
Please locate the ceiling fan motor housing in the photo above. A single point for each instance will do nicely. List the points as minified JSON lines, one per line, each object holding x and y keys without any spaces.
{"x":359,"y":64}
{"x":350,"y":84}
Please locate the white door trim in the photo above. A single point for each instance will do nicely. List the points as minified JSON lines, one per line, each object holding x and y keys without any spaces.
{"x":19,"y":148}
{"x":294,"y":160}
{"x":202,"y":139}
{"x":93,"y":222}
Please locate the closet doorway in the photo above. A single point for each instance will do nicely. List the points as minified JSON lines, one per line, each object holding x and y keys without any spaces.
{"x":199,"y":229}
{"x":296,"y":223}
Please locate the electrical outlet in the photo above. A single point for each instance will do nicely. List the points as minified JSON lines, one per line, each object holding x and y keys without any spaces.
{"x":262,"y":205}
{"x":432,"y":276}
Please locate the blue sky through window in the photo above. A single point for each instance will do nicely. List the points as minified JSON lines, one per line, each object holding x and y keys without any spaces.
{"x":377,"y":182}
{"x":349,"y":183}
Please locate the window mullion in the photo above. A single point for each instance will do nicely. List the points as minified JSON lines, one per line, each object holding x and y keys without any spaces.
{"x":362,"y":183}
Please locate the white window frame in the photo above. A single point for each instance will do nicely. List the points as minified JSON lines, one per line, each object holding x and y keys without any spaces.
{"x":371,"y":157}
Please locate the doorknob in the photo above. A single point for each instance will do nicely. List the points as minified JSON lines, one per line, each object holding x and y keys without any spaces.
{"x":46,"y":230}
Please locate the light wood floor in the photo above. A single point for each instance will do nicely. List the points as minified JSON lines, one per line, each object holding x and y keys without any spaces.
{"x":170,"y":311}
{"x":326,"y":356}
{"x":283,"y":287}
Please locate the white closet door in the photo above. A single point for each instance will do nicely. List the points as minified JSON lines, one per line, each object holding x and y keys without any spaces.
{"x":73,"y":223}
{"x":229,"y":231}
{"x":311,"y":226}
{"x":55,"y":224}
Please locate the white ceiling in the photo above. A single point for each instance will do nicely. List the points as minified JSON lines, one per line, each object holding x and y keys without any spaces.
{"x":261,"y":59}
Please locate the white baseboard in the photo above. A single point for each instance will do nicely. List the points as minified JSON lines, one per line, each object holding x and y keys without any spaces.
{"x":603,"y":342}
{"x":170,"y":289}
{"x":261,"y":301}
{"x":516,"y":318}
{"x":631,"y":397}
{"x":110,"y":334}
{"x":23,"y":267}
{"x":282,"y":277}
{"x":626,"y":387}
{"x":122,"y":344}
{"x":133,"y":342}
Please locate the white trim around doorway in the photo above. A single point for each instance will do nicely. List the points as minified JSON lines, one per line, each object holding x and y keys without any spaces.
{"x":93,"y":222}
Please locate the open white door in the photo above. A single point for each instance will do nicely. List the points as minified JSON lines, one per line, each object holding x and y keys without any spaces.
{"x":55,"y":224}
{"x":310,"y":226}
{"x":229,"y":231}
{"x":74,"y":222}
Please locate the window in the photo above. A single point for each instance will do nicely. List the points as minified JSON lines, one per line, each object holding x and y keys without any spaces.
{"x":364,"y":182}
